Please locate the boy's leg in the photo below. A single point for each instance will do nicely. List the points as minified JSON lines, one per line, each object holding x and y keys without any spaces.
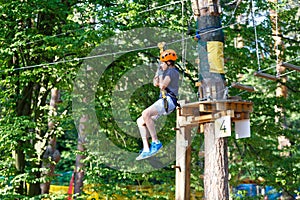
{"x":147,"y":118}
{"x":144,"y":133}
{"x":146,"y":125}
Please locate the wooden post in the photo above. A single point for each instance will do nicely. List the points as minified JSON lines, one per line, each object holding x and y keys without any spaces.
{"x":183,"y":159}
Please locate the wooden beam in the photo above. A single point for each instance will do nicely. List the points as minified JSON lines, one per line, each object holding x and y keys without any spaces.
{"x":243,"y":87}
{"x":266,"y":76}
{"x":290,"y":66}
{"x":183,"y":163}
{"x":205,"y":118}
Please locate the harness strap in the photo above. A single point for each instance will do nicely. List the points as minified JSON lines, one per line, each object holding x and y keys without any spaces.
{"x":166,"y":105}
{"x":173,"y":97}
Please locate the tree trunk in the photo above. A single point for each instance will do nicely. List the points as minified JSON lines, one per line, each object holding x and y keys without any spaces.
{"x":212,"y":76}
{"x":23,"y":106}
{"x":51,"y":150}
{"x":216,"y":165}
{"x":79,"y":172}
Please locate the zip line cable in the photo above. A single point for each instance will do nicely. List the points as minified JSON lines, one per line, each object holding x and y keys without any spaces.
{"x":108,"y":54}
{"x":154,"y":8}
{"x":121,"y":52}
{"x":286,"y":73}
{"x":233,"y":12}
{"x":85,"y":27}
{"x":92,"y":25}
{"x":57,"y":35}
{"x":183,"y":41}
{"x":159,"y":7}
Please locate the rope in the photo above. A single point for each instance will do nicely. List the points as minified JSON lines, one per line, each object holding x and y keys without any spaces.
{"x":159,"y":7}
{"x":233,"y":12}
{"x":108,"y":54}
{"x":255,"y":33}
{"x":122,"y":52}
{"x":286,"y":73}
{"x":276,"y":27}
{"x":275,"y":65}
{"x":60,"y":34}
{"x":93,"y":25}
{"x":183,"y":60}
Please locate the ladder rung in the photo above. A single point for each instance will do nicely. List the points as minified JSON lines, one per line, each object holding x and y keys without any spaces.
{"x":290,"y":66}
{"x":266,"y":76}
{"x":243,"y":87}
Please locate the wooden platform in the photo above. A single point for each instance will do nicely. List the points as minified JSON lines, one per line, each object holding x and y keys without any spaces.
{"x":193,"y":114}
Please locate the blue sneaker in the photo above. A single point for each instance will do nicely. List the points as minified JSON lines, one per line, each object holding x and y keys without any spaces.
{"x":143,"y":155}
{"x":155,"y":147}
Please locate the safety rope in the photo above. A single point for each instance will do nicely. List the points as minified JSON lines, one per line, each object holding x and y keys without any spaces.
{"x":159,"y":7}
{"x":255,"y":33}
{"x":116,"y":53}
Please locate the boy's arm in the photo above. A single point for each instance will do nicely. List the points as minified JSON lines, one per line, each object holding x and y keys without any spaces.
{"x":163,"y":83}
{"x":158,"y":78}
{"x":156,"y":81}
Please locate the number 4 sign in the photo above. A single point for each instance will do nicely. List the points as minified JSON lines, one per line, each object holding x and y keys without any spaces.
{"x":223,"y":127}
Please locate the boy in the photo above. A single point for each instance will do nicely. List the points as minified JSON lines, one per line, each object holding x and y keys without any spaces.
{"x":167,"y":79}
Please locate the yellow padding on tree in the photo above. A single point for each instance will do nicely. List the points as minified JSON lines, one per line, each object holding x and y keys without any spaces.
{"x":215,"y":54}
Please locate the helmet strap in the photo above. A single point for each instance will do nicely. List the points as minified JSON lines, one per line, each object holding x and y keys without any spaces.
{"x":169,"y":63}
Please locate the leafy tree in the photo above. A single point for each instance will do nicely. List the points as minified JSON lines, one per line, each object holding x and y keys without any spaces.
{"x":59,"y":32}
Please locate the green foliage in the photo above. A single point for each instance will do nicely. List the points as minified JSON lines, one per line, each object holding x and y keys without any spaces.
{"x":38,"y":32}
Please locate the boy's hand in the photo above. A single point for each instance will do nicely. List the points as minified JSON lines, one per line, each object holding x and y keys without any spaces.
{"x":160,"y":72}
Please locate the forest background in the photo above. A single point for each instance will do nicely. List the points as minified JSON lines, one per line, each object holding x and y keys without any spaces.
{"x":41,"y":46}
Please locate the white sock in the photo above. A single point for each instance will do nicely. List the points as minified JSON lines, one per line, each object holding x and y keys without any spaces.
{"x":145,"y":144}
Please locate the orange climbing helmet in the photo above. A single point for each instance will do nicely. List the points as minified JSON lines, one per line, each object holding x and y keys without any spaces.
{"x":167,"y":55}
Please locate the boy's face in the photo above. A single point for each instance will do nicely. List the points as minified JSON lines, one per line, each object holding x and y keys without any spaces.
{"x":164,"y":66}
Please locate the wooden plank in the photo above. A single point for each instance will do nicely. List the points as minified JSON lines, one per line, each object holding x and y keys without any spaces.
{"x":240,"y":116}
{"x":224,"y":113}
{"x":186,"y":111}
{"x":247,"y":108}
{"x":186,"y":121}
{"x":204,"y":117}
{"x":290,"y":66}
{"x":206,"y":107}
{"x":266,"y":76}
{"x":201,"y":128}
{"x":232,"y":106}
{"x":243,"y":87}
{"x":239,"y":107}
{"x":213,"y":106}
{"x":220,"y":106}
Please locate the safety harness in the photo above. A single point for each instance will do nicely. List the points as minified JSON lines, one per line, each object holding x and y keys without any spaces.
{"x":173,"y":97}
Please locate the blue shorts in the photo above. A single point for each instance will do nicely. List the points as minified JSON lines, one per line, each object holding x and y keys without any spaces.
{"x":159,"y":106}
